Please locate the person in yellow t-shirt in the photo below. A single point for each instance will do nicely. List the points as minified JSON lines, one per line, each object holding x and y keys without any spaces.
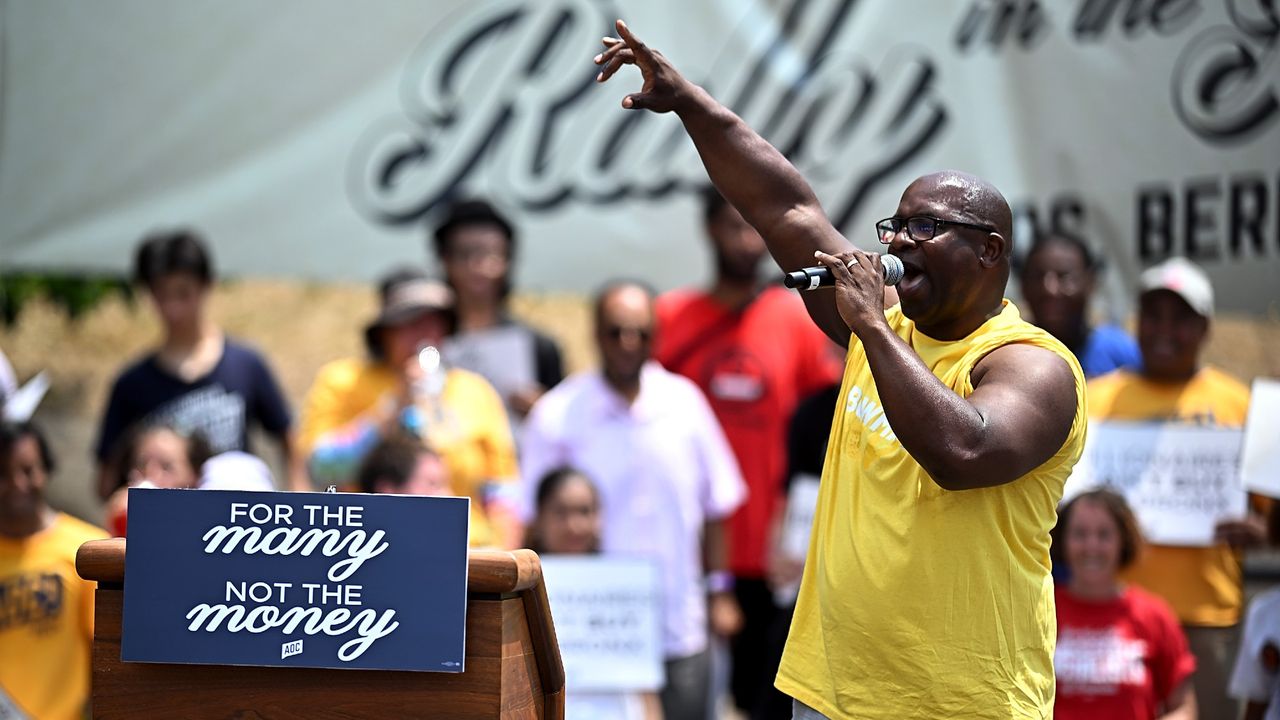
{"x":1203,"y":585}
{"x":355,"y":402}
{"x":46,"y":610}
{"x":926,"y":593}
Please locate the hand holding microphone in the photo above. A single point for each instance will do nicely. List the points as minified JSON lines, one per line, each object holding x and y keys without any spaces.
{"x":860,"y":280}
{"x":818,"y":276}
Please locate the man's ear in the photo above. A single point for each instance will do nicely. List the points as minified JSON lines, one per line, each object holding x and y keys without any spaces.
{"x":993,"y":249}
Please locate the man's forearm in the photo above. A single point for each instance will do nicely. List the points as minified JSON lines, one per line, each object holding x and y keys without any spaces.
{"x":759,"y":181}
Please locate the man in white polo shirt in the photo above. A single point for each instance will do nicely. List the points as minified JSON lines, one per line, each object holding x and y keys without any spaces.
{"x":666,"y":477}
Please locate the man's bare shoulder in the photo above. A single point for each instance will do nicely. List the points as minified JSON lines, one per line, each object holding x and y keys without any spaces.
{"x":1029,"y":361}
{"x":1029,"y":368}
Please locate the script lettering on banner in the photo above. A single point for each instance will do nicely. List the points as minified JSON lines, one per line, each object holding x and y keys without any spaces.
{"x":499,"y":98}
{"x":606,"y":615}
{"x":1180,"y":480}
{"x":327,"y":580}
{"x":1143,"y":128}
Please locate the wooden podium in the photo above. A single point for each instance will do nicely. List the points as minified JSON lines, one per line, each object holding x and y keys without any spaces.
{"x":513,"y":667}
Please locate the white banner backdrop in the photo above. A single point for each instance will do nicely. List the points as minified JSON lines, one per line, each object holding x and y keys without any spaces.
{"x":317,"y":139}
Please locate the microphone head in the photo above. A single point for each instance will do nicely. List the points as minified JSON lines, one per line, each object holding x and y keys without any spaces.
{"x":797,"y":279}
{"x":893,"y":270}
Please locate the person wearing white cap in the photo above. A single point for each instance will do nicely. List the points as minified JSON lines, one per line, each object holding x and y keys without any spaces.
{"x":1202,"y":584}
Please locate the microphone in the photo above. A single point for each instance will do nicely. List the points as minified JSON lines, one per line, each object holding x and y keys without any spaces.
{"x":819,"y":276}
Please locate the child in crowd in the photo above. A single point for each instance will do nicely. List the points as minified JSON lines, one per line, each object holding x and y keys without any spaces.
{"x":403,"y":465}
{"x":198,"y":378}
{"x":568,"y":515}
{"x":160,"y":456}
{"x":153,"y":456}
{"x":1121,"y":654}
{"x":568,"y":523}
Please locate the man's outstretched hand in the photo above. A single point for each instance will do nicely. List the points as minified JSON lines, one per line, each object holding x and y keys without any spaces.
{"x":664,"y":88}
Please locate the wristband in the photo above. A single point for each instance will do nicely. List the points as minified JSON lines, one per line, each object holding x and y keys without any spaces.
{"x":719,"y":581}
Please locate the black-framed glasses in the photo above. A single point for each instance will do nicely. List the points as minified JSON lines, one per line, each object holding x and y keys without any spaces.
{"x":919,"y":227}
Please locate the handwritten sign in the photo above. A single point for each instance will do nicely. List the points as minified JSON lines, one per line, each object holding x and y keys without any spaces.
{"x":1260,"y":466}
{"x":802,"y":503}
{"x":607,"y":621}
{"x":1180,"y":480}
{"x":329,"y":580}
{"x":503,"y":355}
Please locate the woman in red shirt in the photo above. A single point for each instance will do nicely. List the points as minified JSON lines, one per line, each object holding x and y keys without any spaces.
{"x":1121,"y":653}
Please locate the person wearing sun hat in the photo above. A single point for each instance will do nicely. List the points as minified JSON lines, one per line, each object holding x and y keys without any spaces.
{"x":402,"y":386}
{"x":1202,"y":584}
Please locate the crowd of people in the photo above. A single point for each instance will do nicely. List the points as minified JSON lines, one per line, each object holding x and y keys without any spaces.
{"x":708,"y":403}
{"x":941,"y":424}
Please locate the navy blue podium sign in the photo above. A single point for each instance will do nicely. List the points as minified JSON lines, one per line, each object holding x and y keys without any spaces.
{"x":323,"y":580}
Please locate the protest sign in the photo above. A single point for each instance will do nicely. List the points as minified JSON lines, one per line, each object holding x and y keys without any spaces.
{"x":1260,"y":462}
{"x":503,"y":355}
{"x":607,"y":621}
{"x":1180,"y":480}
{"x":326,"y":580}
{"x":802,"y":502}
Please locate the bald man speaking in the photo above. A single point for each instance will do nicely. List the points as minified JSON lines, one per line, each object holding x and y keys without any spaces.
{"x":927,"y":591}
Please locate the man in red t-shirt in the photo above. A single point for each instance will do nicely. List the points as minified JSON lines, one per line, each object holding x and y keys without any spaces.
{"x":756,"y":354}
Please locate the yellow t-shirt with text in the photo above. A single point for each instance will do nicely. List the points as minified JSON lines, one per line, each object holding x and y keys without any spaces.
{"x":46,"y":621}
{"x":1201,"y":584}
{"x":919,"y":602}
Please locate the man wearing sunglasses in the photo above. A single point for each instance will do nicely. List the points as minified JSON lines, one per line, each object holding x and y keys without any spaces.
{"x":926,"y":593}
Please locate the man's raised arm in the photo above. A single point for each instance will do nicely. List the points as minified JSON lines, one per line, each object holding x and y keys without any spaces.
{"x":751,"y":174}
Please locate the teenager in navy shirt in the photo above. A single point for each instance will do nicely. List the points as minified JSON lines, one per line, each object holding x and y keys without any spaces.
{"x":198,"y":379}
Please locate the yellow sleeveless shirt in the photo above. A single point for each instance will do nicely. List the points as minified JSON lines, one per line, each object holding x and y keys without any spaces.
{"x":919,"y":602}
